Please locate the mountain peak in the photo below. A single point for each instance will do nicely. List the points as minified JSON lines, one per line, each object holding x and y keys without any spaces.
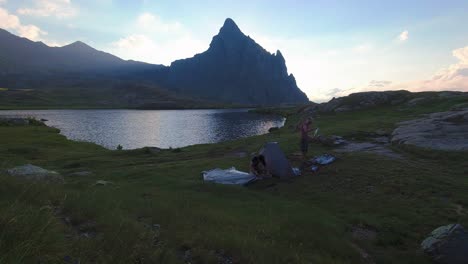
{"x":78,"y":45}
{"x":229,"y":27}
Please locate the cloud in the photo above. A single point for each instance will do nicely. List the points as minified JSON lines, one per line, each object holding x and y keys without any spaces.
{"x":403,"y":36}
{"x":154,"y":24}
{"x":378,"y":84}
{"x":50,"y":8}
{"x":156,"y":41}
{"x":3,"y":2}
{"x":142,"y":47}
{"x":362,"y":48}
{"x":451,"y":78}
{"x":31,"y":32}
{"x":12,"y":22}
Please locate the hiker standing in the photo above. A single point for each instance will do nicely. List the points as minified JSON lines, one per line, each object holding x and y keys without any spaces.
{"x":305,"y":128}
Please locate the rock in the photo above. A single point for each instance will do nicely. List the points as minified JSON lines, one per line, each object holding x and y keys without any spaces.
{"x":273,"y":129}
{"x":369,"y":148}
{"x":381,"y":140}
{"x":152,"y":150}
{"x":449,"y":94}
{"x":441,"y":131}
{"x":345,"y":108}
{"x":15,"y":121}
{"x":381,"y":132}
{"x":103,"y":183}
{"x":81,"y":173}
{"x":35,"y":173}
{"x":362,"y":233}
{"x":416,"y":101}
{"x":44,"y":120}
{"x":447,"y":245}
{"x":364,"y":100}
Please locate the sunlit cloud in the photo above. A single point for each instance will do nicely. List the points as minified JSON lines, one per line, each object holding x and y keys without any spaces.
{"x":11,"y":22}
{"x":451,"y":78}
{"x":50,"y":8}
{"x":157,"y":41}
{"x":403,"y":36}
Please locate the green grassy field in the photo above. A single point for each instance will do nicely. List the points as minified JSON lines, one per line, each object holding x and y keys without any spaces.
{"x":158,"y":210}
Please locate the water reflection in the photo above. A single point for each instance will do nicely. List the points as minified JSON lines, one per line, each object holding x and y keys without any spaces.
{"x":161,"y":128}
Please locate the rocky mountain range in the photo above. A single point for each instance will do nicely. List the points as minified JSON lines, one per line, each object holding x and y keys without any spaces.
{"x":234,"y":70}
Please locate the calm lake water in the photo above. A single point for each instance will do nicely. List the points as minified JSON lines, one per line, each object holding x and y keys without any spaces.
{"x":157,"y":128}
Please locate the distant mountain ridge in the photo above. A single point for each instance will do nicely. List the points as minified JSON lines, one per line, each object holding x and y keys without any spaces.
{"x":234,"y":70}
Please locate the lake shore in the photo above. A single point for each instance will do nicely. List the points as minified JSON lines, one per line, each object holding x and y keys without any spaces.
{"x":156,"y":208}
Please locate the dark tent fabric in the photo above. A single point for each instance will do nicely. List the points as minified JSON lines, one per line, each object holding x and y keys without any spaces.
{"x":276,"y":162}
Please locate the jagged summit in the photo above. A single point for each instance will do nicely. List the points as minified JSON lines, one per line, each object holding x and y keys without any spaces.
{"x":236,"y":69}
{"x":230,"y":27}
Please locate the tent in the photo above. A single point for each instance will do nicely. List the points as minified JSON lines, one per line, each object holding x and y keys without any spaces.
{"x":276,"y":162}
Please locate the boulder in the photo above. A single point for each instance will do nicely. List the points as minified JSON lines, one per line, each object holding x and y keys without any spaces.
{"x":442,"y":131}
{"x":447,"y":245}
{"x":35,"y":173}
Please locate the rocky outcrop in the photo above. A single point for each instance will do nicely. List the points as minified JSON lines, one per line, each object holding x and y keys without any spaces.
{"x":235,"y":69}
{"x":14,"y":121}
{"x":447,"y":245}
{"x":364,"y":100}
{"x":442,"y":131}
{"x":35,"y":173}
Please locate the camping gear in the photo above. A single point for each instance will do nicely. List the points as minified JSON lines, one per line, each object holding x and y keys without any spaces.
{"x":276,"y":162}
{"x":316,"y":132}
{"x":229,"y":176}
{"x":296,"y":171}
{"x":324,"y":159}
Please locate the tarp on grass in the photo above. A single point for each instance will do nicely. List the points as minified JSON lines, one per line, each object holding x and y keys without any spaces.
{"x":229,"y":176}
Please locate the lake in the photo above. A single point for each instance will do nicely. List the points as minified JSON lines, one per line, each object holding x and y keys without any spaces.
{"x":157,"y":128}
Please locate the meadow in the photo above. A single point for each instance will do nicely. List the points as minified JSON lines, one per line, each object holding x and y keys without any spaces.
{"x":364,"y":208}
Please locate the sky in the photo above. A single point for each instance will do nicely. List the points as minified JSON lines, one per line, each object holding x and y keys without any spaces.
{"x":332,"y":47}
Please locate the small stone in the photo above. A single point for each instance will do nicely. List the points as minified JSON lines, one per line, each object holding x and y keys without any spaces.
{"x":103,"y":183}
{"x":81,"y":173}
